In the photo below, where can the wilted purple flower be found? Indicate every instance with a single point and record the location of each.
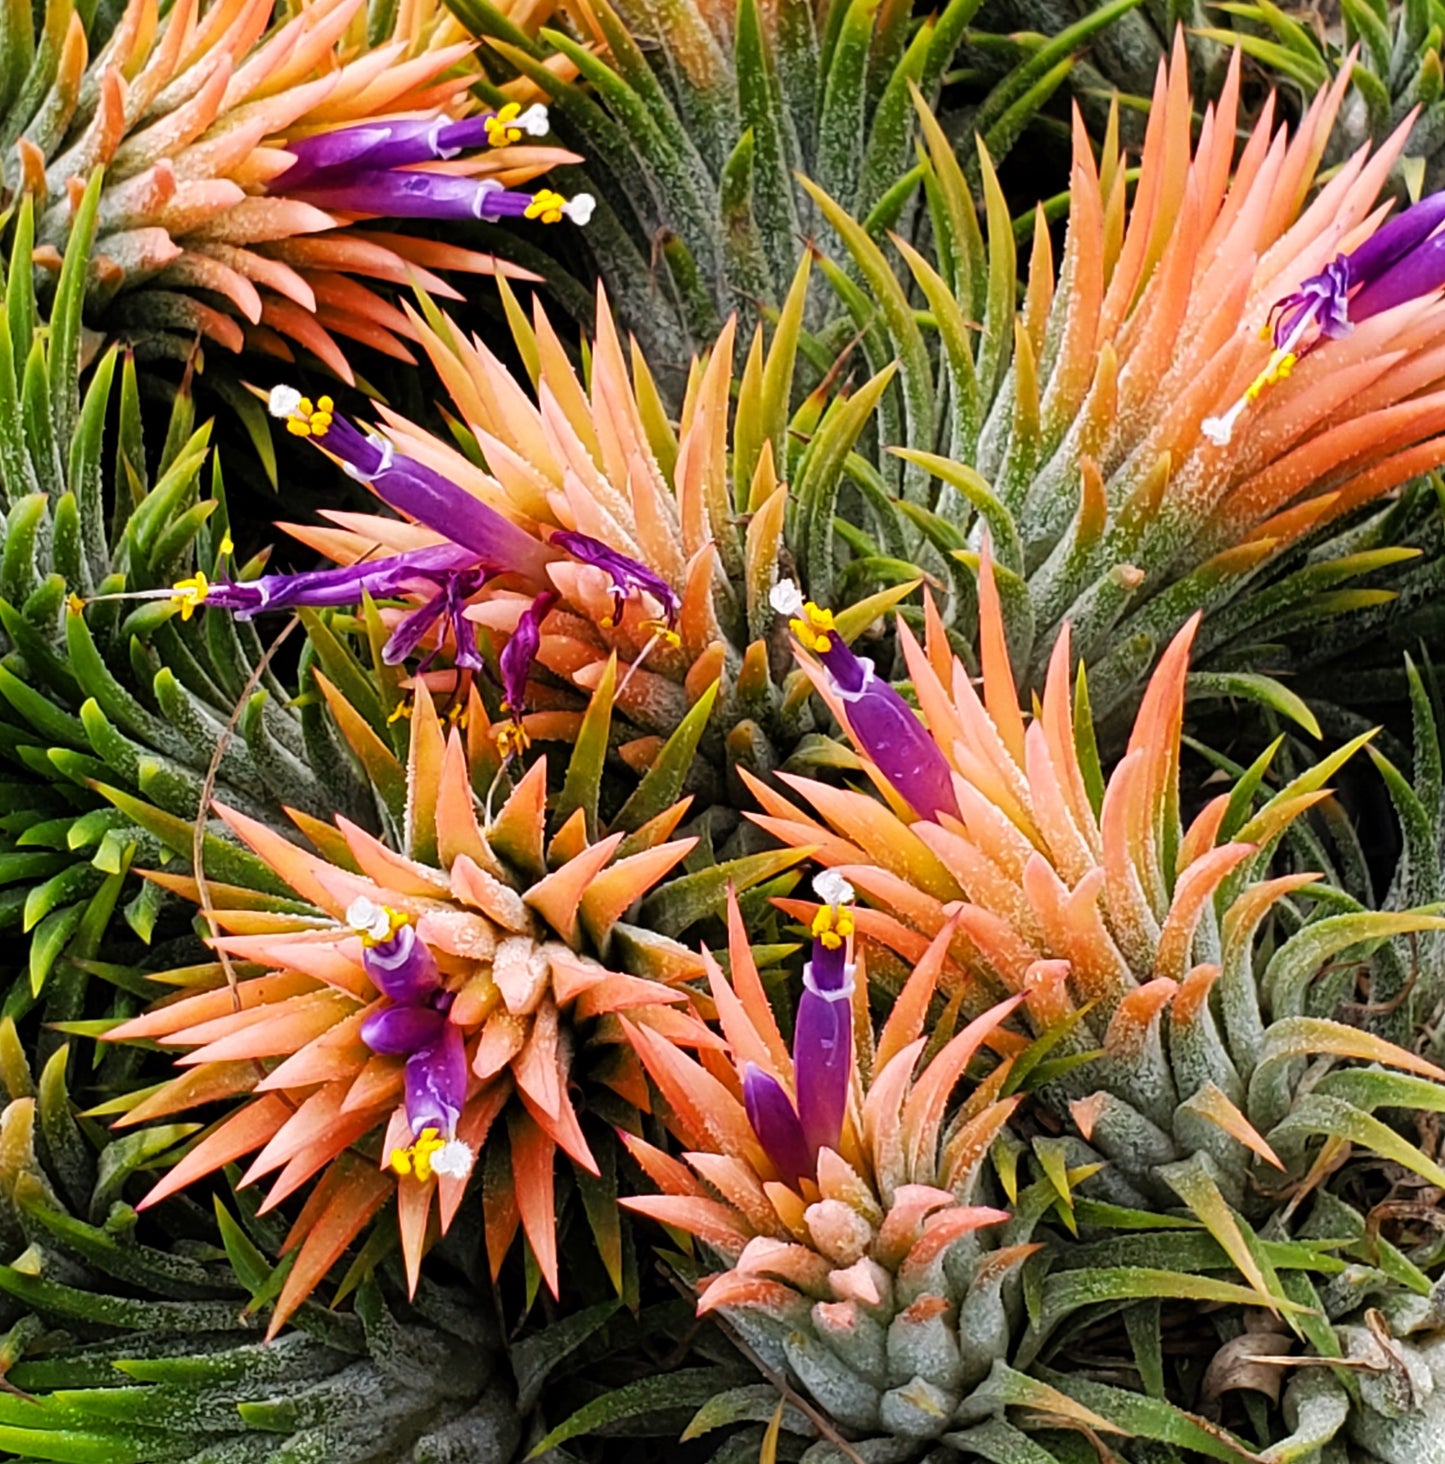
(822, 1049)
(515, 667)
(883, 724)
(1402, 260)
(626, 573)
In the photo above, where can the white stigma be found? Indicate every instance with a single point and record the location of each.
(454, 1160)
(786, 598)
(832, 889)
(534, 121)
(367, 918)
(283, 402)
(579, 209)
(1220, 429)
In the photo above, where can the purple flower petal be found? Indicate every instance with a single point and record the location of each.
(436, 1084)
(771, 1114)
(342, 586)
(823, 1056)
(1418, 273)
(627, 574)
(450, 601)
(888, 730)
(1397, 237)
(515, 662)
(402, 967)
(399, 1031)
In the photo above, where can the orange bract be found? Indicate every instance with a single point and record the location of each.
(509, 929)
(189, 118)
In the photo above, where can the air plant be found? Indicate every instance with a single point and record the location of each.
(1131, 939)
(246, 164)
(1086, 432)
(413, 999)
(847, 1193)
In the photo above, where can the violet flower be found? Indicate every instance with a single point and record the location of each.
(884, 725)
(414, 1025)
(626, 574)
(372, 168)
(1402, 260)
(792, 1135)
(515, 665)
(404, 141)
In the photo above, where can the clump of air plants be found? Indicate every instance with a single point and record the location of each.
(408, 1000)
(840, 1187)
(246, 165)
(1139, 440)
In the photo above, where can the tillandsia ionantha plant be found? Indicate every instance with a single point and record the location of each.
(246, 163)
(697, 122)
(1203, 1073)
(847, 1192)
(1084, 430)
(417, 995)
(132, 1340)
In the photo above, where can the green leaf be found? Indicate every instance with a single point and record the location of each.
(665, 1392)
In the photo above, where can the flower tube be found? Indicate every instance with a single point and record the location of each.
(885, 726)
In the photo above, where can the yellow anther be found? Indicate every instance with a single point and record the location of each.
(311, 421)
(832, 927)
(663, 631)
(75, 604)
(416, 1159)
(228, 545)
(512, 737)
(814, 629)
(607, 622)
(546, 206)
(190, 594)
(499, 130)
(1277, 368)
(458, 714)
(385, 924)
(401, 712)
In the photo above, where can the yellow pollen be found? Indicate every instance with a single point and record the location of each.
(1277, 368)
(607, 622)
(401, 712)
(663, 631)
(228, 545)
(546, 206)
(814, 630)
(832, 927)
(512, 737)
(395, 919)
(499, 132)
(416, 1159)
(75, 604)
(310, 421)
(190, 594)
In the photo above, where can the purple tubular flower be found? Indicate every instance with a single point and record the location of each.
(436, 1083)
(402, 967)
(380, 578)
(627, 574)
(1418, 273)
(413, 489)
(398, 1031)
(518, 655)
(773, 1120)
(418, 195)
(889, 731)
(450, 602)
(823, 1046)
